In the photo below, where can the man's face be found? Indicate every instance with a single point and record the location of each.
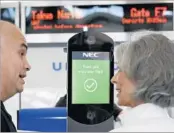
(14, 64)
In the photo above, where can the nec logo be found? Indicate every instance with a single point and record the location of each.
(90, 54)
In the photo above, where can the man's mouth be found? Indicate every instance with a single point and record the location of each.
(22, 76)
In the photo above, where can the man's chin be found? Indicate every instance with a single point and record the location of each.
(20, 89)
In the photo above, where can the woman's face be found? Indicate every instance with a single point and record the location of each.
(125, 88)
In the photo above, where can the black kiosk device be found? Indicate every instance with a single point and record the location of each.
(90, 92)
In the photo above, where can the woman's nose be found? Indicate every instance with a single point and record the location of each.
(114, 79)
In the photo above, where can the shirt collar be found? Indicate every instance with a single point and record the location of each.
(143, 111)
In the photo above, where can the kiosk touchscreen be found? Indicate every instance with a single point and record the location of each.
(90, 92)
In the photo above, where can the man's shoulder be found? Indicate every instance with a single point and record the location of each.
(4, 125)
(7, 124)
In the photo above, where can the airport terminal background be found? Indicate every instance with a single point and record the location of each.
(47, 26)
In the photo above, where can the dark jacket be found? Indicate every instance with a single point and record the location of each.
(101, 114)
(7, 124)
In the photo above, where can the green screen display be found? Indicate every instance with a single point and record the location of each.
(90, 78)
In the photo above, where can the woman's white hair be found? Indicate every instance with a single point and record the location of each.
(148, 59)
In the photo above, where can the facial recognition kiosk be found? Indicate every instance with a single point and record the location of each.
(90, 92)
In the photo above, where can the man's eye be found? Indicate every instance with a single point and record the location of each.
(22, 53)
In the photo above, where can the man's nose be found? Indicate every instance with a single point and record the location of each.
(27, 66)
